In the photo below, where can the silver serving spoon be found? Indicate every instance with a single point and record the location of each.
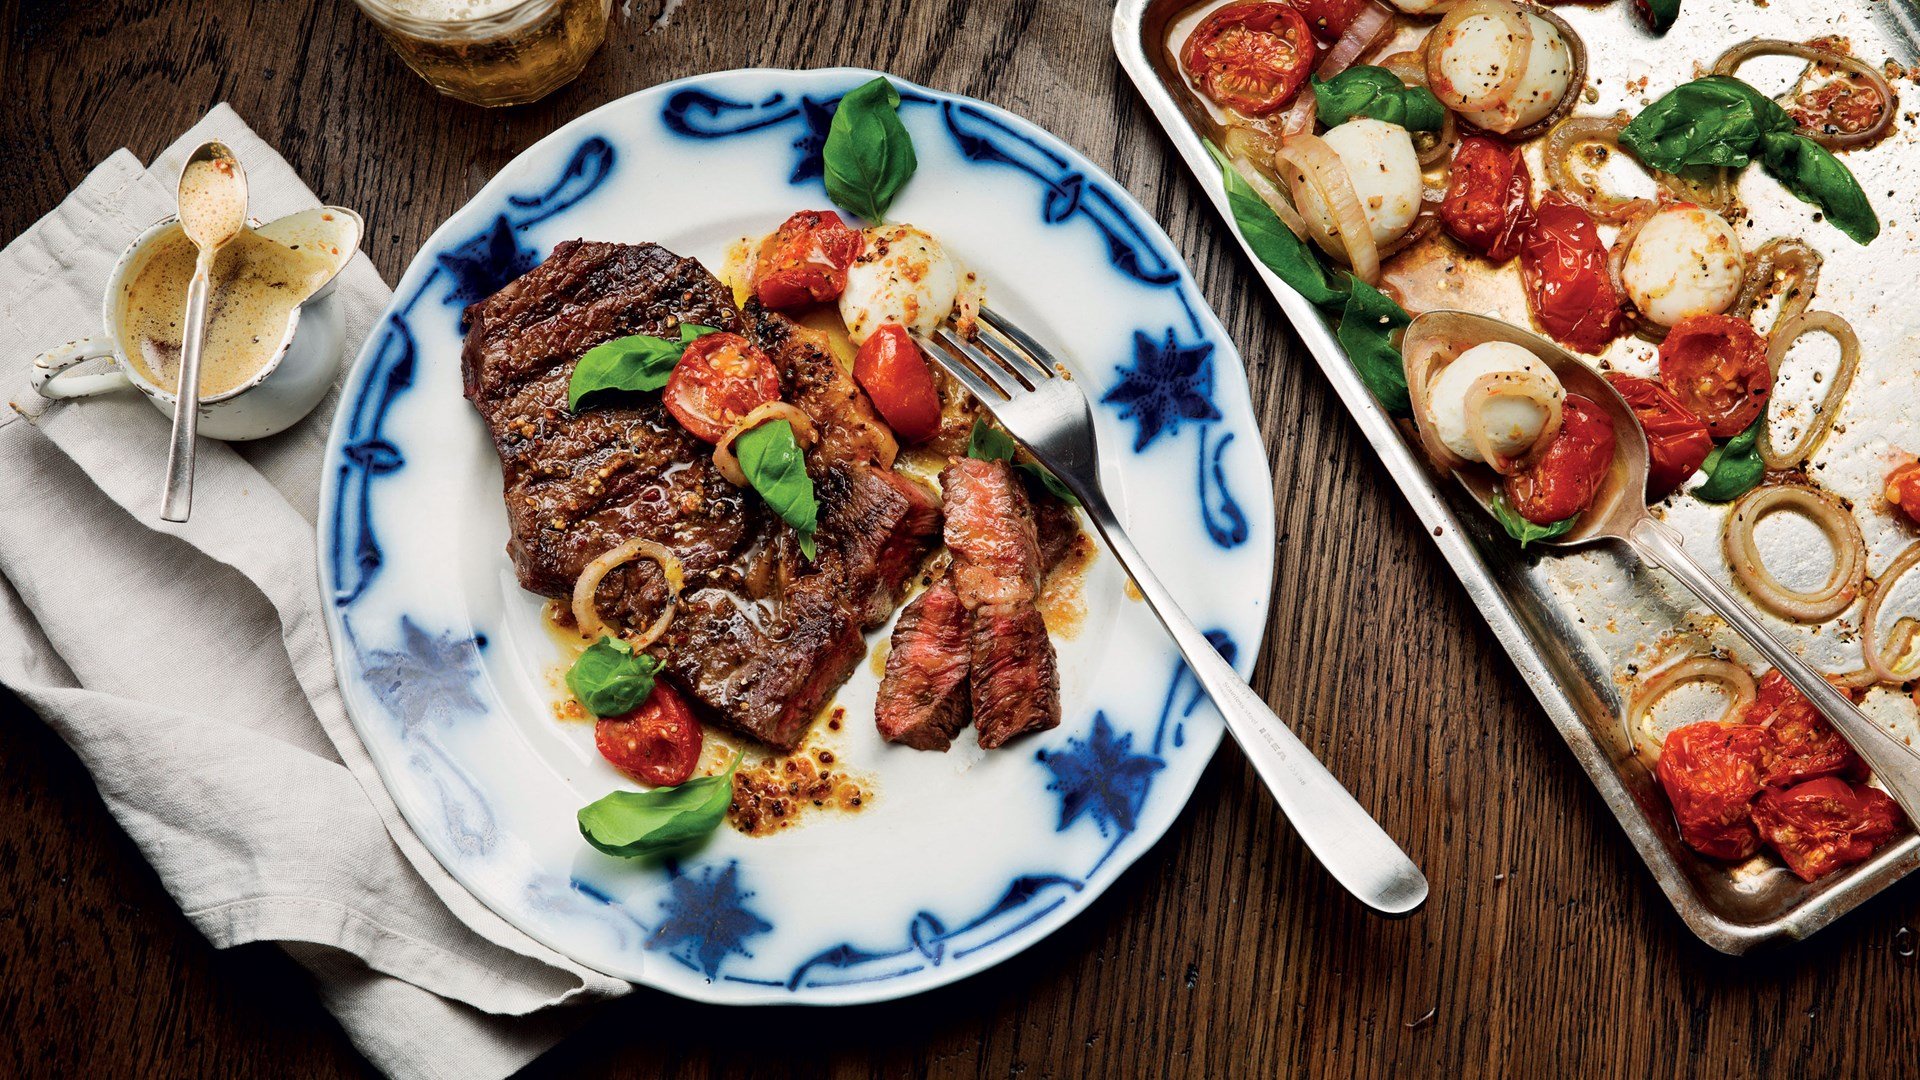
(213, 210)
(1620, 513)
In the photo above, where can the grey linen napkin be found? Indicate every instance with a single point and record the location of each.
(211, 721)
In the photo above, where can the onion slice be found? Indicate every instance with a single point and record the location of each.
(587, 617)
(1734, 679)
(1778, 345)
(1421, 367)
(1315, 167)
(1247, 148)
(1617, 259)
(1370, 25)
(1880, 664)
(1530, 385)
(1781, 257)
(1576, 76)
(729, 465)
(1519, 36)
(1730, 61)
(1430, 147)
(1842, 531)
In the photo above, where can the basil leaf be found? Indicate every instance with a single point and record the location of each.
(991, 444)
(640, 362)
(631, 824)
(1375, 92)
(1657, 14)
(1718, 120)
(610, 678)
(1806, 169)
(1734, 469)
(771, 458)
(868, 156)
(1366, 329)
(691, 330)
(1272, 242)
(1520, 528)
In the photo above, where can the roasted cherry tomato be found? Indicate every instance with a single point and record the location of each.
(1826, 824)
(1711, 773)
(1487, 207)
(1903, 490)
(1564, 265)
(719, 380)
(1253, 57)
(1329, 19)
(805, 260)
(657, 743)
(894, 374)
(1716, 365)
(1568, 474)
(1677, 440)
(1804, 746)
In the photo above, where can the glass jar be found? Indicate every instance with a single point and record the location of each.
(493, 52)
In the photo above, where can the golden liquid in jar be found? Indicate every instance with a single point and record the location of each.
(255, 286)
(493, 52)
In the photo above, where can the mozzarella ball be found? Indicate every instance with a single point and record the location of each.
(1473, 57)
(1685, 261)
(904, 276)
(1417, 7)
(1512, 422)
(1385, 172)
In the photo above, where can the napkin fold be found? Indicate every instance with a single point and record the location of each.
(188, 665)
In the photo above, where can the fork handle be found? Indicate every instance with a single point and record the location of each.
(1336, 828)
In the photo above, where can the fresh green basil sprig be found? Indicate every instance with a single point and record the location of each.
(1368, 318)
(1733, 469)
(632, 824)
(610, 678)
(634, 363)
(1367, 90)
(1719, 121)
(1520, 528)
(770, 457)
(868, 156)
(991, 444)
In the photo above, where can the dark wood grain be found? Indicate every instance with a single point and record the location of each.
(1546, 949)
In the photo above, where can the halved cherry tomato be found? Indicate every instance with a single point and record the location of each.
(1711, 773)
(1717, 366)
(1564, 265)
(1677, 440)
(1568, 475)
(719, 380)
(1253, 57)
(895, 375)
(805, 260)
(656, 743)
(1329, 18)
(1487, 204)
(1826, 824)
(1903, 490)
(1803, 745)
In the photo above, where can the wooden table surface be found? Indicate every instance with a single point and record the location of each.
(1226, 951)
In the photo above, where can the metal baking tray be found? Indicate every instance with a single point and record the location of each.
(1579, 626)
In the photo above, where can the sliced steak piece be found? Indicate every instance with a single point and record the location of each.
(923, 697)
(758, 645)
(1056, 527)
(990, 531)
(1016, 679)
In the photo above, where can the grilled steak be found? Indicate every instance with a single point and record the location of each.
(923, 697)
(1016, 680)
(761, 638)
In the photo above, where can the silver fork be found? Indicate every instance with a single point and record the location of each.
(1021, 384)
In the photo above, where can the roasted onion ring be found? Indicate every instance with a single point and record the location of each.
(1842, 531)
(587, 618)
(1779, 343)
(1527, 384)
(1736, 680)
(1421, 368)
(1576, 76)
(1879, 663)
(1565, 139)
(1617, 259)
(1519, 35)
(1315, 166)
(729, 465)
(1730, 61)
(1778, 257)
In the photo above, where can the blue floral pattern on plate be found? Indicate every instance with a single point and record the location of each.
(419, 679)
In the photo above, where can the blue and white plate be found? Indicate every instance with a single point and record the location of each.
(960, 859)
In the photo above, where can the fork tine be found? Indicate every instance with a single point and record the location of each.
(976, 384)
(989, 365)
(1023, 365)
(1006, 328)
